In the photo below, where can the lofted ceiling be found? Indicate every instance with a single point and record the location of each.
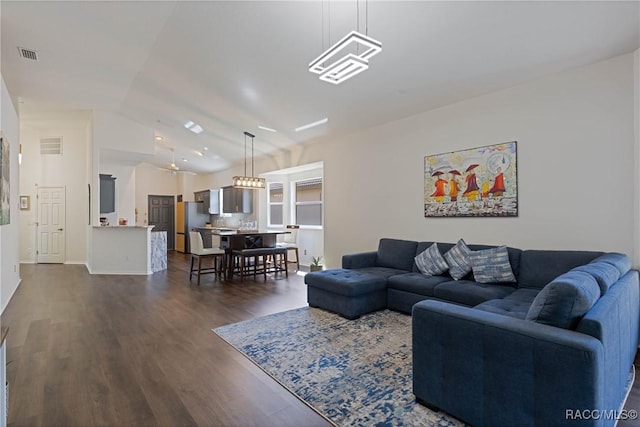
(231, 66)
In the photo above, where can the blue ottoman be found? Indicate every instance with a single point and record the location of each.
(349, 293)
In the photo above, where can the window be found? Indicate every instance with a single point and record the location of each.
(275, 199)
(308, 207)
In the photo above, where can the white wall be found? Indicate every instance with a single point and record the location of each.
(575, 133)
(119, 145)
(9, 252)
(152, 181)
(52, 171)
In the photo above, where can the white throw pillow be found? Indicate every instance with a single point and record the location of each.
(430, 262)
(459, 260)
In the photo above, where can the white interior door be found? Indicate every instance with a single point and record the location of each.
(51, 218)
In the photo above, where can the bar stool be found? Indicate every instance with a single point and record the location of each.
(258, 256)
(199, 251)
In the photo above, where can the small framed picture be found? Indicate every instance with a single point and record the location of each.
(25, 203)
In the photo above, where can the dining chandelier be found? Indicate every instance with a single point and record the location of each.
(245, 181)
(349, 64)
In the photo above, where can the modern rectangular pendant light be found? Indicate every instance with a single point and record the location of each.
(348, 65)
(343, 62)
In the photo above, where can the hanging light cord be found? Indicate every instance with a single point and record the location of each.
(247, 134)
(358, 13)
(245, 154)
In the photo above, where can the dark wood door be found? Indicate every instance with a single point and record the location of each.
(161, 214)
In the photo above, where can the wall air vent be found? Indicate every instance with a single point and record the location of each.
(28, 53)
(51, 145)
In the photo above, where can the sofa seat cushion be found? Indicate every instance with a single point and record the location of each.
(416, 283)
(564, 301)
(514, 305)
(381, 271)
(470, 293)
(346, 282)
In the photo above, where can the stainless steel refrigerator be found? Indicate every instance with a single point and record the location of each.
(189, 215)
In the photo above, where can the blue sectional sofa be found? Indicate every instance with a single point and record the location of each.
(553, 347)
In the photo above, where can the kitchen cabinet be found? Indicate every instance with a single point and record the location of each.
(107, 193)
(210, 200)
(237, 200)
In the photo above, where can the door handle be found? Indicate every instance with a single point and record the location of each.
(60, 229)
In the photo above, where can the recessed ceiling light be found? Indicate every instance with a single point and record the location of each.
(199, 153)
(206, 148)
(310, 125)
(267, 129)
(158, 138)
(193, 127)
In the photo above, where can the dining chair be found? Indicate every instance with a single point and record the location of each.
(199, 251)
(290, 243)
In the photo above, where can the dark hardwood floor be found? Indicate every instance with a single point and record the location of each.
(89, 350)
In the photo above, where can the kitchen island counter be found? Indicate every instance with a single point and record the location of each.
(125, 249)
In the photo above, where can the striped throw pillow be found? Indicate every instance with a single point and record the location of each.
(459, 260)
(430, 262)
(492, 265)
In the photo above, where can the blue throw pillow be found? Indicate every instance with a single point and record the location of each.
(564, 301)
(430, 262)
(492, 265)
(459, 260)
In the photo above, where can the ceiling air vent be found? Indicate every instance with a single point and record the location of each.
(28, 53)
(51, 145)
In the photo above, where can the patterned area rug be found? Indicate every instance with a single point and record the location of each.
(353, 372)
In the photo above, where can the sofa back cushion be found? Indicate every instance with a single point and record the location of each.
(395, 253)
(539, 267)
(604, 273)
(618, 260)
(564, 301)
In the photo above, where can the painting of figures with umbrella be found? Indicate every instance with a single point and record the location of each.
(476, 182)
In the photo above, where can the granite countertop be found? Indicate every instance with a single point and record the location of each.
(219, 230)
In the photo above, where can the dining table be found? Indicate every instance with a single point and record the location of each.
(244, 239)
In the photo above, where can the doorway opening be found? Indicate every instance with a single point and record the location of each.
(162, 216)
